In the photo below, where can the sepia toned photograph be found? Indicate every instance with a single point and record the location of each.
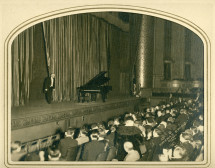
(107, 87)
(110, 86)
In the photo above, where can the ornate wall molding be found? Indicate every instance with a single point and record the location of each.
(63, 115)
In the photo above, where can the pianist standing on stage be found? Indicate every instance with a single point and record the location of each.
(49, 86)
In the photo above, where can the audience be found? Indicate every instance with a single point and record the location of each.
(172, 131)
(132, 155)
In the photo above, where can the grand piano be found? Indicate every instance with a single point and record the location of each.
(96, 85)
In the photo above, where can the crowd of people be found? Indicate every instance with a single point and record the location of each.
(170, 131)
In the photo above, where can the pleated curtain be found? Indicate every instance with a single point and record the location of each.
(76, 50)
(78, 47)
(22, 56)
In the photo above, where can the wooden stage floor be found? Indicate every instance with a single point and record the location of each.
(41, 107)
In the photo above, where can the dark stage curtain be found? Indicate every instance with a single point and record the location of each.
(77, 50)
(22, 60)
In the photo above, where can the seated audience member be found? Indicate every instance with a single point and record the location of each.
(182, 118)
(199, 126)
(116, 121)
(93, 148)
(128, 128)
(201, 117)
(133, 116)
(128, 132)
(148, 133)
(102, 130)
(153, 146)
(171, 127)
(111, 135)
(139, 125)
(164, 157)
(150, 123)
(86, 127)
(179, 154)
(148, 114)
(153, 111)
(189, 148)
(16, 153)
(160, 116)
(132, 155)
(185, 137)
(94, 127)
(189, 131)
(159, 113)
(55, 145)
(171, 119)
(76, 134)
(110, 123)
(167, 114)
(173, 112)
(54, 155)
(144, 123)
(164, 124)
(194, 130)
(67, 143)
(198, 140)
(81, 137)
(126, 114)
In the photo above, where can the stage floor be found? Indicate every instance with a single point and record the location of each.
(41, 107)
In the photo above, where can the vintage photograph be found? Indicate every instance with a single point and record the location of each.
(107, 86)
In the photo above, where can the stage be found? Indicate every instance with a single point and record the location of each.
(43, 118)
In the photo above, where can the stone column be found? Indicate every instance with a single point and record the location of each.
(144, 64)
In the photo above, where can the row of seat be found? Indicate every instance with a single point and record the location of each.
(39, 144)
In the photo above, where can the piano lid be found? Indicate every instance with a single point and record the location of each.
(98, 80)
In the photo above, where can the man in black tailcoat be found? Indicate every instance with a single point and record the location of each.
(49, 86)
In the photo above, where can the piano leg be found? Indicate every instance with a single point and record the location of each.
(103, 96)
(83, 97)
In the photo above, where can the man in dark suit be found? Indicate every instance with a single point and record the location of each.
(68, 143)
(49, 86)
(94, 148)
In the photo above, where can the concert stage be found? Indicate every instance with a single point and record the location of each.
(39, 119)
